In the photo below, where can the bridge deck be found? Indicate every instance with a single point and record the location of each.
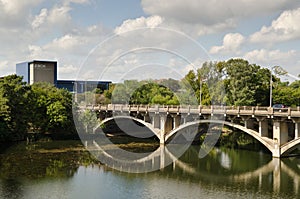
(228, 110)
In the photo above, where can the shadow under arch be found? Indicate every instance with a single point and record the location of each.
(290, 146)
(267, 142)
(155, 131)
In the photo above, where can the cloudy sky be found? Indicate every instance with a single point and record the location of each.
(120, 38)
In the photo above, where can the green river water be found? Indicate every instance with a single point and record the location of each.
(32, 171)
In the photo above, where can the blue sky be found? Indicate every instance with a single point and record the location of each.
(84, 36)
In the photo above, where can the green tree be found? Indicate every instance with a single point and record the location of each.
(172, 84)
(284, 93)
(14, 109)
(51, 109)
(240, 85)
(153, 93)
(213, 90)
(89, 121)
(262, 92)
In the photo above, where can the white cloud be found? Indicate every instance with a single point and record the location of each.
(14, 7)
(67, 69)
(268, 58)
(40, 19)
(264, 55)
(288, 60)
(203, 16)
(67, 42)
(3, 64)
(285, 27)
(211, 12)
(142, 22)
(69, 50)
(59, 15)
(33, 29)
(231, 44)
(77, 1)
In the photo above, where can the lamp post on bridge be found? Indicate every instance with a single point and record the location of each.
(278, 71)
(201, 81)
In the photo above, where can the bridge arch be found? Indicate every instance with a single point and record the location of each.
(267, 142)
(155, 131)
(287, 147)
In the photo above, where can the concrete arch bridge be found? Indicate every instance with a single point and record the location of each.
(167, 121)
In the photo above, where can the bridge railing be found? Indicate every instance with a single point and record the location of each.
(235, 110)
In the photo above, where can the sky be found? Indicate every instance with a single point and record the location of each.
(122, 39)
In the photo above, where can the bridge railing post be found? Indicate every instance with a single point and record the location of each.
(200, 109)
(253, 111)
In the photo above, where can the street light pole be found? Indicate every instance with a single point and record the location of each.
(271, 84)
(200, 92)
(278, 71)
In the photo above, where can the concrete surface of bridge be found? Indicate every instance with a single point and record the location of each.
(166, 121)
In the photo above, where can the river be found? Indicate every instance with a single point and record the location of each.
(31, 171)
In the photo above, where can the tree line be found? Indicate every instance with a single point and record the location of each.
(46, 110)
(235, 82)
(40, 108)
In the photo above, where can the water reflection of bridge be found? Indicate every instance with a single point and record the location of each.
(166, 121)
(123, 160)
(165, 156)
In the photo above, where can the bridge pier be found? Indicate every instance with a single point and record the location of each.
(147, 118)
(176, 120)
(164, 122)
(186, 118)
(248, 122)
(168, 124)
(263, 128)
(276, 152)
(297, 130)
(297, 127)
(155, 120)
(280, 132)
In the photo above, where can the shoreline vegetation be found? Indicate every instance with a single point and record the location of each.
(42, 111)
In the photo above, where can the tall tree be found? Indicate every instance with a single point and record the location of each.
(212, 84)
(14, 111)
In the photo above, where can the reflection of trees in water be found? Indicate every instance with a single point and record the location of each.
(40, 165)
(21, 162)
(12, 188)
